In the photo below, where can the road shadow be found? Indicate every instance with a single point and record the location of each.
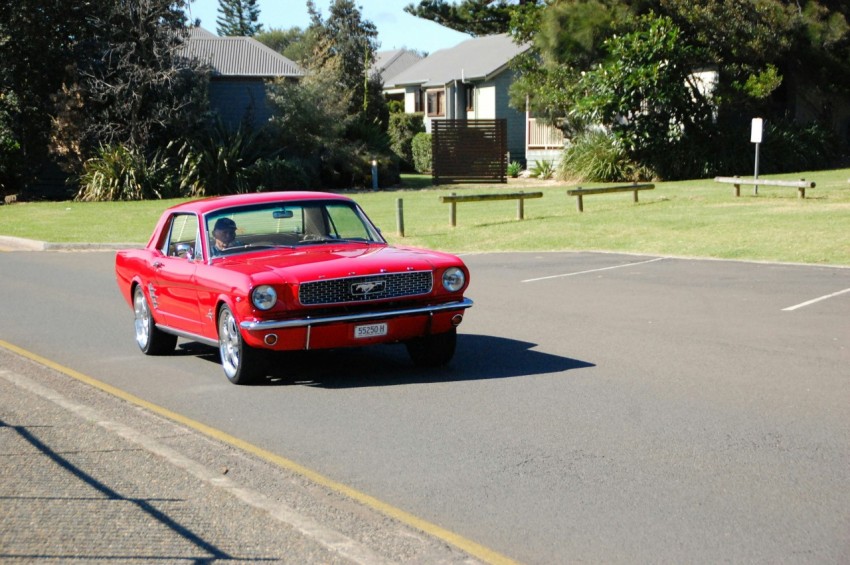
(95, 495)
(478, 357)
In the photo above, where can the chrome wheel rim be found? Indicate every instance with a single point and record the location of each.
(143, 318)
(229, 342)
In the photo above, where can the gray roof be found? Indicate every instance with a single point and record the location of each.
(476, 59)
(390, 63)
(238, 56)
(197, 32)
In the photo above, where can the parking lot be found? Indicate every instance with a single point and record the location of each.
(601, 407)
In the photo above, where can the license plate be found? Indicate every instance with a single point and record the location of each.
(372, 330)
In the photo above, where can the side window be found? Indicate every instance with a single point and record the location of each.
(436, 102)
(182, 236)
(346, 224)
(196, 252)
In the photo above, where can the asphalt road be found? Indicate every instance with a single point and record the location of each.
(600, 408)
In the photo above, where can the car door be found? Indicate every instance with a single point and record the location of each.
(176, 292)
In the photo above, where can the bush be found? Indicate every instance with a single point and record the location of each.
(268, 175)
(402, 129)
(727, 150)
(542, 170)
(789, 147)
(422, 157)
(595, 156)
(120, 173)
(224, 159)
(12, 158)
(514, 169)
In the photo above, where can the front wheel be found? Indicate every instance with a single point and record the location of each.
(151, 340)
(432, 350)
(242, 363)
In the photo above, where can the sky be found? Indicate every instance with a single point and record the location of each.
(396, 28)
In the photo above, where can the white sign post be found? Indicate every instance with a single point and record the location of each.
(755, 137)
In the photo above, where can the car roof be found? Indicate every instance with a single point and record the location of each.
(207, 205)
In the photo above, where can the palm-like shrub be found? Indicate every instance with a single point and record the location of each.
(126, 173)
(595, 156)
(224, 157)
(542, 170)
(121, 173)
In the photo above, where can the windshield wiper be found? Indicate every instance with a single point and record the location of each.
(326, 239)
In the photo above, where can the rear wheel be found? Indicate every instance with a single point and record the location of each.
(432, 350)
(242, 363)
(151, 340)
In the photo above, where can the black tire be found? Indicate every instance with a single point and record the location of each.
(242, 364)
(151, 340)
(433, 350)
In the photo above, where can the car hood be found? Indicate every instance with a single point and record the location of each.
(334, 261)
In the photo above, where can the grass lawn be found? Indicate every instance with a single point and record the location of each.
(698, 218)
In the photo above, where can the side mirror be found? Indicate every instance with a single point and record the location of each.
(184, 250)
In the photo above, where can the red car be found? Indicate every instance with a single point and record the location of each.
(284, 271)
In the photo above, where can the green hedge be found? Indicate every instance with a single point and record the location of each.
(402, 129)
(422, 157)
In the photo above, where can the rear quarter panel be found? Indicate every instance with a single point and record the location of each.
(132, 265)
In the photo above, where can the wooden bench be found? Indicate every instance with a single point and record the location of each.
(801, 185)
(580, 192)
(520, 197)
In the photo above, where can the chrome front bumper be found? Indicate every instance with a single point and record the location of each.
(359, 317)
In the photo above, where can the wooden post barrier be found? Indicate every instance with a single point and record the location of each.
(801, 185)
(580, 192)
(520, 197)
(399, 216)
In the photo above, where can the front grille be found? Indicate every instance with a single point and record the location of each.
(365, 289)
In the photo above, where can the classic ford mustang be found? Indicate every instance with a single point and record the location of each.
(287, 271)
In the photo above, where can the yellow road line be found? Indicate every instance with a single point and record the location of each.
(472, 548)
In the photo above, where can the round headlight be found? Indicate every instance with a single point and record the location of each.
(264, 297)
(453, 279)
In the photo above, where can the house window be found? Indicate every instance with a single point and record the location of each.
(436, 102)
(470, 98)
(417, 101)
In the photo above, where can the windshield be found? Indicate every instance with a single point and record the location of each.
(288, 224)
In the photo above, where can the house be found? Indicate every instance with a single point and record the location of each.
(388, 64)
(471, 81)
(240, 66)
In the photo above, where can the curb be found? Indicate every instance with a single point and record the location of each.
(9, 243)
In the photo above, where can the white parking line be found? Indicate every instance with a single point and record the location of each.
(593, 270)
(812, 301)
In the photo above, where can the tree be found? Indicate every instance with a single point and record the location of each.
(134, 89)
(646, 93)
(345, 47)
(40, 42)
(77, 77)
(334, 120)
(768, 56)
(567, 40)
(11, 170)
(295, 43)
(238, 18)
(475, 17)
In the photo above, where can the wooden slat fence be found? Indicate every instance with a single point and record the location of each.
(469, 151)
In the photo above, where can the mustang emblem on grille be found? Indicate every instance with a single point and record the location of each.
(364, 288)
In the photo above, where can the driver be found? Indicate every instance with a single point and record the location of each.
(224, 235)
